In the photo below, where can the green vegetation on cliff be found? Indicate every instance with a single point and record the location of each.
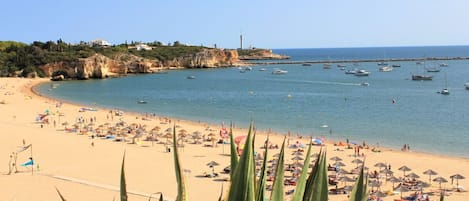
(19, 59)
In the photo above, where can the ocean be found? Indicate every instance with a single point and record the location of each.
(309, 100)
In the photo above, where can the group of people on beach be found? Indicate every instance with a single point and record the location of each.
(405, 147)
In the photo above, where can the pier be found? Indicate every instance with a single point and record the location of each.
(283, 62)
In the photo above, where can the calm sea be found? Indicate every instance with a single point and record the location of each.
(308, 100)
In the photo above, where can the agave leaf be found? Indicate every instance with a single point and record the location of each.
(182, 193)
(161, 197)
(319, 190)
(260, 191)
(60, 194)
(234, 153)
(123, 186)
(301, 184)
(278, 185)
(442, 196)
(360, 191)
(242, 183)
(309, 182)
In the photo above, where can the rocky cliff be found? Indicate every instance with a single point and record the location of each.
(100, 66)
(260, 54)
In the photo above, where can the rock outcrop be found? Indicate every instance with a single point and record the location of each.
(208, 58)
(261, 54)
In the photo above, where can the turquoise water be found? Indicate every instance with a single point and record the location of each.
(307, 97)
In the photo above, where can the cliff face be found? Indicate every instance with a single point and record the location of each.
(208, 58)
(261, 54)
(100, 66)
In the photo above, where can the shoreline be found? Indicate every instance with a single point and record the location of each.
(329, 139)
(149, 168)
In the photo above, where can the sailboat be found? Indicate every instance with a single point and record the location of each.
(445, 91)
(422, 76)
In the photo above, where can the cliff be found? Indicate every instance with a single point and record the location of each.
(260, 54)
(100, 66)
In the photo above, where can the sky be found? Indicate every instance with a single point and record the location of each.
(263, 24)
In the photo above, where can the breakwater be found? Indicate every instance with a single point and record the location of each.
(357, 60)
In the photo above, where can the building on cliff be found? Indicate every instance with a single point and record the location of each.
(100, 43)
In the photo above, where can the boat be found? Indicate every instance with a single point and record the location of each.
(341, 65)
(382, 64)
(386, 69)
(445, 90)
(351, 71)
(419, 62)
(142, 102)
(262, 69)
(396, 65)
(466, 85)
(248, 68)
(362, 73)
(342, 68)
(422, 77)
(433, 70)
(279, 72)
(191, 77)
(444, 65)
(326, 66)
(306, 64)
(365, 84)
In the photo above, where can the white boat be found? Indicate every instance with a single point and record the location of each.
(466, 85)
(386, 69)
(262, 69)
(382, 64)
(326, 66)
(341, 65)
(365, 84)
(362, 73)
(248, 68)
(433, 70)
(351, 71)
(445, 91)
(191, 77)
(279, 72)
(142, 102)
(444, 65)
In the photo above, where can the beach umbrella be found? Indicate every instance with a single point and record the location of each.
(169, 130)
(297, 164)
(259, 157)
(335, 158)
(430, 172)
(380, 194)
(380, 165)
(412, 176)
(394, 179)
(212, 165)
(276, 155)
(404, 169)
(238, 139)
(440, 180)
(357, 161)
(343, 171)
(340, 164)
(346, 179)
(297, 153)
(168, 136)
(457, 177)
(296, 158)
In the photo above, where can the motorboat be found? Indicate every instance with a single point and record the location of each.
(351, 71)
(326, 66)
(444, 65)
(341, 65)
(466, 85)
(362, 73)
(396, 65)
(365, 84)
(382, 64)
(386, 69)
(433, 70)
(306, 64)
(342, 68)
(444, 92)
(191, 77)
(262, 69)
(142, 102)
(422, 77)
(279, 72)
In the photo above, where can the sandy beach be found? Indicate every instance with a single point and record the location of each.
(83, 167)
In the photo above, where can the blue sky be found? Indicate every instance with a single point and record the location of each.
(265, 24)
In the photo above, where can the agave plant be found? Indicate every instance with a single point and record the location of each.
(182, 193)
(123, 186)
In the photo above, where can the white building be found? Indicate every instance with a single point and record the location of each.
(100, 42)
(142, 47)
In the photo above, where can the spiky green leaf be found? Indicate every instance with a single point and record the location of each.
(221, 194)
(260, 191)
(182, 193)
(233, 152)
(442, 196)
(123, 186)
(318, 180)
(360, 190)
(242, 183)
(278, 185)
(60, 194)
(309, 182)
(301, 184)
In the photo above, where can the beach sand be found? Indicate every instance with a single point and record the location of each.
(83, 168)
